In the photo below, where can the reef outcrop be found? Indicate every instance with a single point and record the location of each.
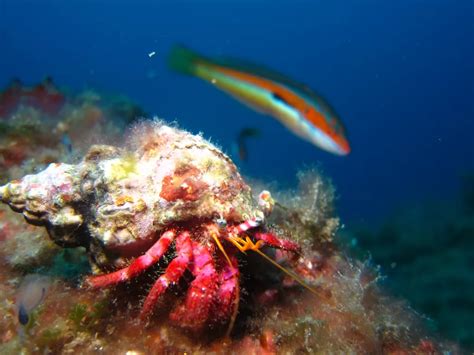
(168, 190)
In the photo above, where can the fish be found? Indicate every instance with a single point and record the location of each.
(30, 295)
(303, 111)
(244, 134)
(67, 143)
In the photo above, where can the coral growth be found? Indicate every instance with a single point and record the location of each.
(312, 219)
(348, 313)
(167, 189)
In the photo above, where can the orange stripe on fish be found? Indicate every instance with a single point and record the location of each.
(301, 110)
(280, 93)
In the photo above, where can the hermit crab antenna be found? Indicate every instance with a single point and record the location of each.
(288, 272)
(247, 244)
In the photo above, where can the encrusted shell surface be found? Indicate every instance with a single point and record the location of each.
(118, 200)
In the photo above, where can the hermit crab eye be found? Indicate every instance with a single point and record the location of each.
(259, 220)
(221, 222)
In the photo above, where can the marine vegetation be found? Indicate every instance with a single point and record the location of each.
(184, 255)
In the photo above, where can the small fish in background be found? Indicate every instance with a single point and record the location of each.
(301, 110)
(244, 135)
(30, 295)
(67, 143)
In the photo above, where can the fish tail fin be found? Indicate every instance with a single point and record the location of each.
(184, 60)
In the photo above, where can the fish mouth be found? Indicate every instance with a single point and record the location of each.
(335, 145)
(341, 151)
(339, 145)
(344, 148)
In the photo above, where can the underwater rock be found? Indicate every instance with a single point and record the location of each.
(42, 124)
(116, 202)
(15, 235)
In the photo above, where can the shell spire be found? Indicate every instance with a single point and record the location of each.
(46, 199)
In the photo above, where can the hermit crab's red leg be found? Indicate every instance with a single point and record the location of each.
(140, 264)
(228, 292)
(272, 240)
(173, 273)
(194, 312)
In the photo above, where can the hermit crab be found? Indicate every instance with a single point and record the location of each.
(129, 206)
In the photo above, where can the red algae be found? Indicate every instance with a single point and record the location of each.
(183, 185)
(43, 96)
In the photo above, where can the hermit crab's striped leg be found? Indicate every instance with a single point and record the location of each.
(194, 312)
(267, 237)
(173, 273)
(272, 240)
(228, 294)
(247, 225)
(152, 256)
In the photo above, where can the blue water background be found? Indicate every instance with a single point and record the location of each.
(400, 73)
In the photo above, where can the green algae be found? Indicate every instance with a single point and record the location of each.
(50, 339)
(85, 317)
(23, 129)
(78, 315)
